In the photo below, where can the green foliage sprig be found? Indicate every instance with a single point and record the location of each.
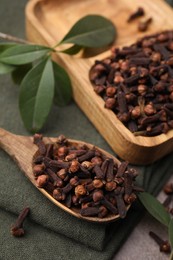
(42, 81)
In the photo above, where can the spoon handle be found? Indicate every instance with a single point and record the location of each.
(20, 148)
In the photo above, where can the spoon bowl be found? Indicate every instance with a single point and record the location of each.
(22, 150)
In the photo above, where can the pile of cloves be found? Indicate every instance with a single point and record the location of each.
(136, 83)
(84, 178)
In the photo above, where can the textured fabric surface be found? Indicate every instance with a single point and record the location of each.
(49, 226)
(40, 243)
(50, 232)
(17, 192)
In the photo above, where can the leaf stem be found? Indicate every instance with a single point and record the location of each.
(9, 37)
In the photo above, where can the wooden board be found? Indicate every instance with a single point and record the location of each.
(47, 21)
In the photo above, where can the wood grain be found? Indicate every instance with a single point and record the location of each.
(48, 21)
(22, 150)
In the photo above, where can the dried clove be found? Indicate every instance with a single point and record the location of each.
(90, 211)
(88, 155)
(42, 180)
(68, 200)
(54, 178)
(128, 180)
(17, 229)
(39, 142)
(120, 203)
(110, 171)
(163, 244)
(138, 13)
(143, 25)
(109, 206)
(168, 188)
(98, 171)
(121, 169)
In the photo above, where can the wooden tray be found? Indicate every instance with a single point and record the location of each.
(47, 21)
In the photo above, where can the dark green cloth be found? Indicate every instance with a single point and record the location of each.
(49, 227)
(50, 232)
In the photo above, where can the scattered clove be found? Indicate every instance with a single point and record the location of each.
(17, 229)
(143, 25)
(168, 188)
(138, 13)
(163, 244)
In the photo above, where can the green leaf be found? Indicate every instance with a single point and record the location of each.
(5, 68)
(63, 90)
(155, 208)
(170, 230)
(4, 46)
(19, 73)
(23, 54)
(72, 50)
(36, 95)
(91, 31)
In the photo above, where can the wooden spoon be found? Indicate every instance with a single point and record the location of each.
(22, 150)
